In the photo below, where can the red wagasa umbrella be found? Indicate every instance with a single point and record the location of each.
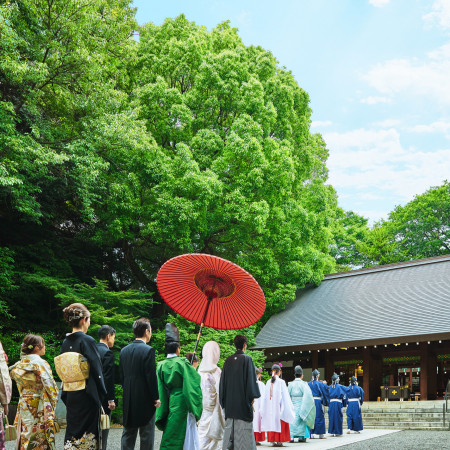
(211, 292)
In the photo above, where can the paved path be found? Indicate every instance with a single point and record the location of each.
(367, 440)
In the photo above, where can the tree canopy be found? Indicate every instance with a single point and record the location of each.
(117, 154)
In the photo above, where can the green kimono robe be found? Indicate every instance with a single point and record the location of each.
(180, 393)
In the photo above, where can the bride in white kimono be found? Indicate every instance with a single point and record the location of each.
(212, 421)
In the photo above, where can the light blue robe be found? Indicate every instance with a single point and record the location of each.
(304, 408)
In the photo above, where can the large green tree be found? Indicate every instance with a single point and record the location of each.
(232, 168)
(116, 155)
(421, 228)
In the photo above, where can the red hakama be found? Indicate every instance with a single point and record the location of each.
(284, 436)
(260, 437)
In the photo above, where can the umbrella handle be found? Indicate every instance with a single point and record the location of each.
(201, 328)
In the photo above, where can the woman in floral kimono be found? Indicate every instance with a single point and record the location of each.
(212, 422)
(5, 393)
(35, 419)
(84, 401)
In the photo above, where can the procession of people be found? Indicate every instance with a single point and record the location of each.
(197, 407)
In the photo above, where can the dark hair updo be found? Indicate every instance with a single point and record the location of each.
(30, 341)
(74, 313)
(189, 357)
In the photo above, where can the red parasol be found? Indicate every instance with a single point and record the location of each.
(211, 292)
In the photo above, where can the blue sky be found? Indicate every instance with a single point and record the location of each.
(378, 76)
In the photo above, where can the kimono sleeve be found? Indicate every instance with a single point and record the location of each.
(163, 411)
(222, 386)
(108, 374)
(49, 383)
(150, 374)
(252, 385)
(5, 380)
(95, 363)
(287, 408)
(325, 391)
(308, 408)
(361, 395)
(209, 391)
(192, 390)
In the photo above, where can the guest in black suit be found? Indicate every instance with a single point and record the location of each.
(107, 335)
(140, 388)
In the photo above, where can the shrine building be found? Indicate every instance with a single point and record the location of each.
(388, 325)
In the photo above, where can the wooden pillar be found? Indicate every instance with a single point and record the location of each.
(432, 374)
(366, 372)
(315, 359)
(329, 366)
(423, 371)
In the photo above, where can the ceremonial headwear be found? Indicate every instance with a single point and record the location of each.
(315, 373)
(276, 367)
(354, 380)
(211, 356)
(335, 378)
(298, 370)
(172, 334)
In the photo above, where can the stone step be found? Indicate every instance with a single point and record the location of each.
(383, 427)
(428, 417)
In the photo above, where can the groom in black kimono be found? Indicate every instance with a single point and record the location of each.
(237, 390)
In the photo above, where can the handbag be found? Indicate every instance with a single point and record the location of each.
(10, 431)
(105, 422)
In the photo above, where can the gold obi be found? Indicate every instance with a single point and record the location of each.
(73, 369)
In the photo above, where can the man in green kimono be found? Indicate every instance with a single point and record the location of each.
(180, 394)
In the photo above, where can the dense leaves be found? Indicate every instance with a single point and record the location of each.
(117, 154)
(419, 229)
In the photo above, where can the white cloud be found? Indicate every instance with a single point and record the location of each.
(368, 161)
(379, 3)
(321, 123)
(440, 14)
(429, 78)
(375, 100)
(440, 126)
(387, 123)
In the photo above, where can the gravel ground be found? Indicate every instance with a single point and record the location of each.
(405, 440)
(113, 440)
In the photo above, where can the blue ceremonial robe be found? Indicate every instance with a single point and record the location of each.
(355, 398)
(320, 393)
(335, 417)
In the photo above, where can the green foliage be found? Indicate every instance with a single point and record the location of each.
(349, 231)
(421, 228)
(188, 337)
(117, 309)
(116, 155)
(12, 342)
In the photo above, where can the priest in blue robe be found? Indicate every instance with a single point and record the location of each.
(355, 399)
(320, 393)
(337, 394)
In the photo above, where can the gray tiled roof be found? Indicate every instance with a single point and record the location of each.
(406, 300)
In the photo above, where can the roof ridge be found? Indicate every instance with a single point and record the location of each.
(387, 267)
